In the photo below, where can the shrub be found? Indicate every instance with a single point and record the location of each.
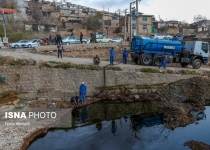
(150, 70)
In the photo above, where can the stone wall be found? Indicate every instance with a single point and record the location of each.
(34, 79)
(83, 46)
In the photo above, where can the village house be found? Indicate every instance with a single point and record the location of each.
(166, 27)
(144, 24)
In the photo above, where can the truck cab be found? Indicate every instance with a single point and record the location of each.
(198, 50)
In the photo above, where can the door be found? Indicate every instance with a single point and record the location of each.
(204, 49)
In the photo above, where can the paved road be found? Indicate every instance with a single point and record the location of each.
(25, 53)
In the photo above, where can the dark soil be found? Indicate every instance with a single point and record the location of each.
(195, 145)
(9, 96)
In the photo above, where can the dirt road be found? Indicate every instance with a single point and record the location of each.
(25, 54)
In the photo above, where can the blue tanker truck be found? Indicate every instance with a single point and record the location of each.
(146, 51)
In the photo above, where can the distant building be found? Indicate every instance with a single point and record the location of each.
(144, 24)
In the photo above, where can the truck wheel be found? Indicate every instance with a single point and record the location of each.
(196, 64)
(184, 65)
(157, 60)
(146, 59)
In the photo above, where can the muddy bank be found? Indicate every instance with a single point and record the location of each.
(195, 145)
(30, 138)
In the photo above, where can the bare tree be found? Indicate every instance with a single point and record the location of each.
(37, 12)
(200, 19)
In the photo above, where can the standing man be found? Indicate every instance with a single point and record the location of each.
(163, 61)
(125, 53)
(81, 37)
(112, 55)
(60, 49)
(58, 39)
(83, 91)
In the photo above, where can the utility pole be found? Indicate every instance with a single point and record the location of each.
(137, 20)
(130, 21)
(5, 34)
(136, 15)
(125, 25)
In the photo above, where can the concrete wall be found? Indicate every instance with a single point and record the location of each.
(34, 79)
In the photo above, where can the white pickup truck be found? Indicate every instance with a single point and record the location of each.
(158, 36)
(103, 39)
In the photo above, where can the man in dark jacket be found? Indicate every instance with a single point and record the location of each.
(81, 37)
(58, 39)
(96, 60)
(60, 49)
(74, 100)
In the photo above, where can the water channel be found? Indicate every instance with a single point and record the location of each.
(107, 126)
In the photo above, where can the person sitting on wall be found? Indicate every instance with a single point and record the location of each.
(96, 60)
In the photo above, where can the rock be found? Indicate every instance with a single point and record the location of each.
(196, 123)
(136, 97)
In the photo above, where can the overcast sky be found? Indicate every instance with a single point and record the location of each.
(167, 9)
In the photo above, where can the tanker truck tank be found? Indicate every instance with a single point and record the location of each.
(154, 46)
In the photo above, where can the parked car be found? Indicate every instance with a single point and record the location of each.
(1, 44)
(74, 40)
(86, 41)
(117, 40)
(104, 39)
(158, 36)
(169, 37)
(18, 44)
(31, 43)
(144, 37)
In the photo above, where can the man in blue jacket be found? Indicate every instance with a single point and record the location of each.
(112, 55)
(163, 61)
(83, 91)
(125, 54)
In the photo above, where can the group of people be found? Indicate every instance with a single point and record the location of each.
(112, 56)
(58, 42)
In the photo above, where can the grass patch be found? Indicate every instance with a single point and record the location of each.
(52, 64)
(188, 72)
(105, 59)
(149, 86)
(170, 71)
(114, 68)
(8, 60)
(128, 87)
(150, 70)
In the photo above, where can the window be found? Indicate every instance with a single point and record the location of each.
(144, 27)
(205, 47)
(133, 26)
(133, 18)
(144, 18)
